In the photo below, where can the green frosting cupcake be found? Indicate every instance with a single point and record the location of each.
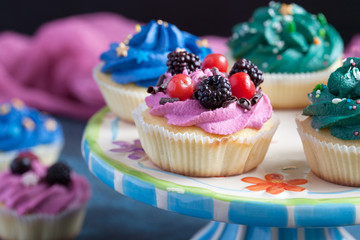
(285, 38)
(337, 105)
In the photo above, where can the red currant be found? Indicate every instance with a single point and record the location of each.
(216, 60)
(242, 86)
(180, 86)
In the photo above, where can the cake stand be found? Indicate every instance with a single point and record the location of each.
(292, 204)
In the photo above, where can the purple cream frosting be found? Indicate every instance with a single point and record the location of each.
(41, 198)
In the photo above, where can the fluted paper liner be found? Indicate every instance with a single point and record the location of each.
(289, 90)
(333, 162)
(121, 99)
(65, 225)
(192, 154)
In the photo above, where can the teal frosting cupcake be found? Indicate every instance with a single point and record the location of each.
(141, 58)
(285, 38)
(337, 105)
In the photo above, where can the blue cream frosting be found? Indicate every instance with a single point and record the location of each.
(142, 58)
(22, 127)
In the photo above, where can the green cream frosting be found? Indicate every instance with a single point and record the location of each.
(285, 38)
(337, 105)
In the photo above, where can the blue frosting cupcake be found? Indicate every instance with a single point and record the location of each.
(136, 63)
(26, 129)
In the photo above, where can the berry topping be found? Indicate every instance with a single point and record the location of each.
(213, 92)
(180, 86)
(179, 61)
(216, 60)
(246, 66)
(21, 164)
(59, 173)
(242, 86)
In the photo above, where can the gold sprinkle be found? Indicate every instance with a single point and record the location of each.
(4, 109)
(137, 27)
(122, 50)
(317, 40)
(50, 125)
(160, 22)
(28, 123)
(202, 43)
(127, 39)
(17, 103)
(286, 9)
(166, 24)
(180, 49)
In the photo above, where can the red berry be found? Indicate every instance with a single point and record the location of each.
(216, 60)
(242, 86)
(180, 86)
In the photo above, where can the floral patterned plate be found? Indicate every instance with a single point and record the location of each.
(282, 192)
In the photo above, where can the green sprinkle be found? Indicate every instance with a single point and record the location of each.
(317, 87)
(291, 27)
(317, 95)
(322, 32)
(322, 19)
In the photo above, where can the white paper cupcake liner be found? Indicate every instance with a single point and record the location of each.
(333, 162)
(47, 154)
(65, 225)
(193, 154)
(120, 99)
(289, 90)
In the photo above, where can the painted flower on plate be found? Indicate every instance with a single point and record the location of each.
(135, 149)
(274, 183)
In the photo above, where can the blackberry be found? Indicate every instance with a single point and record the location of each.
(20, 165)
(246, 66)
(178, 61)
(213, 92)
(59, 173)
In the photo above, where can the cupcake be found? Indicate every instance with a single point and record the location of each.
(295, 49)
(37, 202)
(205, 123)
(129, 67)
(26, 129)
(329, 127)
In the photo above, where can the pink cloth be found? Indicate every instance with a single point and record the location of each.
(353, 48)
(52, 71)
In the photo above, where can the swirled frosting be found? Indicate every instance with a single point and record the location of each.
(23, 127)
(286, 39)
(222, 121)
(142, 59)
(41, 198)
(337, 105)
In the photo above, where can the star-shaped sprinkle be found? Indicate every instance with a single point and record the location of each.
(137, 27)
(286, 9)
(202, 43)
(4, 109)
(142, 56)
(50, 125)
(17, 103)
(160, 22)
(122, 50)
(127, 39)
(28, 123)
